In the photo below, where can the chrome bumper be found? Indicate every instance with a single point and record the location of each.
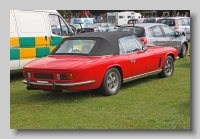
(54, 84)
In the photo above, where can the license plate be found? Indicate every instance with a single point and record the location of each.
(42, 82)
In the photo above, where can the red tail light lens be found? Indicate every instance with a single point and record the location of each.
(143, 40)
(176, 25)
(27, 74)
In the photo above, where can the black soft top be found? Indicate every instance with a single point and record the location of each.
(106, 42)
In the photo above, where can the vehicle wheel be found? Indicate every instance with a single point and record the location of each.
(111, 82)
(183, 51)
(168, 68)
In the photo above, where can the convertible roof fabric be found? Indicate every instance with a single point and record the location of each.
(106, 42)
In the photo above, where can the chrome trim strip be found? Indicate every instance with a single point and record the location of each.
(60, 84)
(141, 76)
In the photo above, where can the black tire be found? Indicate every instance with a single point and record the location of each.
(111, 82)
(168, 68)
(183, 51)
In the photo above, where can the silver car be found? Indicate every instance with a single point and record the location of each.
(151, 19)
(155, 34)
(178, 23)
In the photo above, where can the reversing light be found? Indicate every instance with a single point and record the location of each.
(64, 76)
(176, 25)
(27, 74)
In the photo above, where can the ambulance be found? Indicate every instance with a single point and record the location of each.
(34, 34)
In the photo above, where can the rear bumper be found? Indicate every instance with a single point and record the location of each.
(54, 84)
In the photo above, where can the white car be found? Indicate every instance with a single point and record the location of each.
(178, 23)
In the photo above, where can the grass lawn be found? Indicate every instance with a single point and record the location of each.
(147, 103)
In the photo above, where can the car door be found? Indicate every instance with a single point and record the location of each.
(170, 35)
(156, 37)
(186, 26)
(33, 35)
(141, 61)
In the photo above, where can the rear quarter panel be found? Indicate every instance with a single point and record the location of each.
(163, 52)
(95, 69)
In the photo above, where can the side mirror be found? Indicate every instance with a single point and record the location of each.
(144, 48)
(177, 34)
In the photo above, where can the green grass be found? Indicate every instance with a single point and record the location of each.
(147, 103)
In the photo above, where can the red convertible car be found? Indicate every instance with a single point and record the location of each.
(98, 60)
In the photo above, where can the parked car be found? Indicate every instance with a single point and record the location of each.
(101, 61)
(156, 34)
(178, 23)
(151, 19)
(107, 26)
(93, 28)
(132, 21)
(74, 28)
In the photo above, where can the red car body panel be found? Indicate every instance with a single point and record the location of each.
(87, 68)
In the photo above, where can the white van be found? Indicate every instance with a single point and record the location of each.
(121, 18)
(34, 34)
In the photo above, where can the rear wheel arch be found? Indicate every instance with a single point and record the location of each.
(106, 84)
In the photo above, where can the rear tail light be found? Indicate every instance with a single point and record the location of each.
(143, 40)
(92, 30)
(27, 74)
(176, 25)
(64, 76)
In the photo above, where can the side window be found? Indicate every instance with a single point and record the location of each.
(180, 23)
(185, 22)
(129, 44)
(58, 26)
(64, 28)
(121, 49)
(168, 31)
(156, 31)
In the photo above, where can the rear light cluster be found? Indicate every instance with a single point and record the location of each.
(143, 40)
(64, 76)
(176, 25)
(27, 74)
(59, 76)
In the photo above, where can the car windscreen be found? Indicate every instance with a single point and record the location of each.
(137, 31)
(169, 22)
(149, 20)
(74, 47)
(132, 21)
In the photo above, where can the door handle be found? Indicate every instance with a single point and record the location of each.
(185, 28)
(133, 61)
(45, 38)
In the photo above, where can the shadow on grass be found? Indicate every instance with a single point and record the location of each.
(16, 75)
(140, 81)
(57, 97)
(68, 97)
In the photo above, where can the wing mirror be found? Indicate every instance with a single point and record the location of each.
(144, 48)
